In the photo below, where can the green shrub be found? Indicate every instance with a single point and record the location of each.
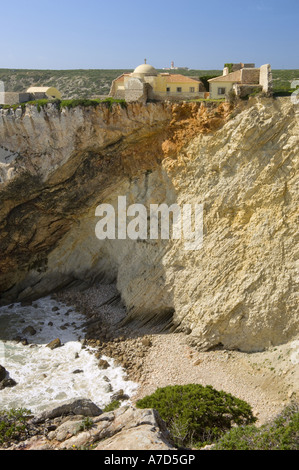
(197, 415)
(39, 104)
(85, 425)
(70, 104)
(111, 101)
(229, 66)
(281, 434)
(114, 405)
(13, 425)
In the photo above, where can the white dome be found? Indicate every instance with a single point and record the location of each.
(146, 69)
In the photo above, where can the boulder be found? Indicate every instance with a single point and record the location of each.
(143, 437)
(127, 428)
(80, 407)
(104, 364)
(29, 331)
(7, 383)
(3, 373)
(119, 396)
(146, 342)
(56, 343)
(134, 429)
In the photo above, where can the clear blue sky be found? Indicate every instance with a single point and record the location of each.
(95, 34)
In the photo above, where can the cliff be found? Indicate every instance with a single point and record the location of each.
(57, 166)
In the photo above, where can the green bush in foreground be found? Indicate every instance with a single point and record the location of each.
(197, 415)
(13, 425)
(281, 434)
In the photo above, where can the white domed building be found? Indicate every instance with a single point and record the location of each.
(145, 70)
(145, 83)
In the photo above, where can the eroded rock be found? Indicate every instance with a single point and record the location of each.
(82, 407)
(238, 290)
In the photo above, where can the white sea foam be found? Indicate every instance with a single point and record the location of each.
(46, 377)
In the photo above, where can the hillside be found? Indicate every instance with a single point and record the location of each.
(95, 83)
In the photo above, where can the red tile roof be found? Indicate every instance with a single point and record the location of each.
(178, 78)
(231, 77)
(170, 78)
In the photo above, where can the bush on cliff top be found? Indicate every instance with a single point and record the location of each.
(70, 104)
(197, 415)
(94, 103)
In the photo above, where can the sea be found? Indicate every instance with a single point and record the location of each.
(47, 378)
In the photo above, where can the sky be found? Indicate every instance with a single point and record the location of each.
(120, 34)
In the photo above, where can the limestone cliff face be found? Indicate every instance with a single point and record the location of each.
(239, 290)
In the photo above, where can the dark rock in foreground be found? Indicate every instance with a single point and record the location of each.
(82, 407)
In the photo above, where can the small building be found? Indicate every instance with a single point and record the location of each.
(145, 83)
(11, 98)
(39, 93)
(243, 79)
(32, 94)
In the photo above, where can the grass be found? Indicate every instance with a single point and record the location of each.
(69, 104)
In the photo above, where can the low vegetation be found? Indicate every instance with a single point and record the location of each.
(13, 425)
(114, 405)
(76, 84)
(197, 415)
(85, 425)
(283, 81)
(69, 104)
(86, 103)
(280, 434)
(73, 84)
